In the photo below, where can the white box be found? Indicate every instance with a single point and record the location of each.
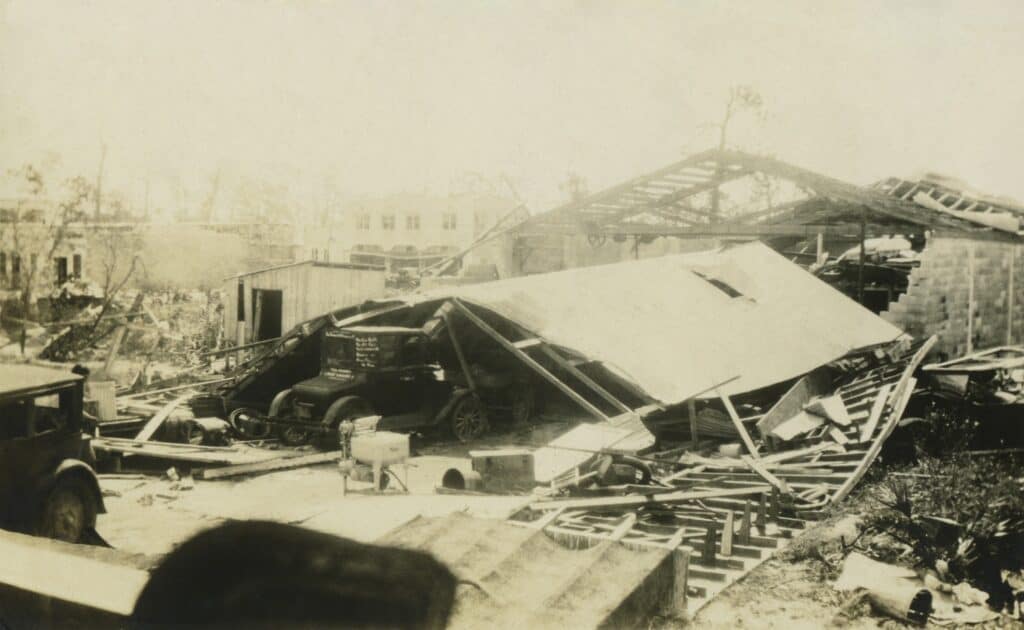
(382, 448)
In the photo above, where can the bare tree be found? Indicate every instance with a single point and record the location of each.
(37, 228)
(118, 261)
(742, 98)
(574, 187)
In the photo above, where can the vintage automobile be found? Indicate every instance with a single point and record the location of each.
(396, 373)
(47, 483)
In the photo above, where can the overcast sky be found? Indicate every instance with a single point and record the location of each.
(388, 96)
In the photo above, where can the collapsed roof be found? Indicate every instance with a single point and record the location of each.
(678, 325)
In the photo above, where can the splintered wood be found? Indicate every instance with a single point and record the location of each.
(730, 513)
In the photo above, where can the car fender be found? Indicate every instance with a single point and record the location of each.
(275, 405)
(78, 468)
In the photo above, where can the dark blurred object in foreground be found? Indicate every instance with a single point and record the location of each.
(269, 575)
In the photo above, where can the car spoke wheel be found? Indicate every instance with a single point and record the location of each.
(469, 420)
(290, 434)
(247, 423)
(68, 512)
(294, 436)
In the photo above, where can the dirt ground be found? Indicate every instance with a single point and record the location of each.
(152, 516)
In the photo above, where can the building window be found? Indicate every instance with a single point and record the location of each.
(448, 221)
(387, 221)
(363, 221)
(412, 222)
(76, 266)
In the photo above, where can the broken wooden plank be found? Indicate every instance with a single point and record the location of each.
(629, 501)
(756, 466)
(785, 456)
(838, 436)
(528, 360)
(158, 419)
(742, 430)
(903, 390)
(47, 568)
(831, 408)
(802, 422)
(256, 468)
(876, 413)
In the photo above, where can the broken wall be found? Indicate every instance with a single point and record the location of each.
(968, 290)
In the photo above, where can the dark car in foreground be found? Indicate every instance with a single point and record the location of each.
(47, 483)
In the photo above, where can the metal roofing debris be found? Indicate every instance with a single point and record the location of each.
(675, 334)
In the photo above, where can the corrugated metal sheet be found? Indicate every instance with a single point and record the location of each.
(677, 325)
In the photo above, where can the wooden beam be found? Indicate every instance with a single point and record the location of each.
(904, 388)
(638, 500)
(42, 567)
(727, 533)
(765, 474)
(458, 350)
(877, 407)
(528, 360)
(586, 380)
(691, 410)
(256, 468)
(158, 419)
(736, 422)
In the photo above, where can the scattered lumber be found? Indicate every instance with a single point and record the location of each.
(196, 454)
(258, 468)
(876, 413)
(758, 468)
(158, 419)
(154, 392)
(629, 501)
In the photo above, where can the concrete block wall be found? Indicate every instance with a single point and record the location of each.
(968, 290)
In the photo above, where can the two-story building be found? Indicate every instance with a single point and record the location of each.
(404, 230)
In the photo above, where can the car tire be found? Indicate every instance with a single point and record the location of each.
(247, 423)
(282, 408)
(68, 511)
(468, 419)
(347, 408)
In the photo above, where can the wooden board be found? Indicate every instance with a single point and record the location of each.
(256, 468)
(48, 571)
(158, 419)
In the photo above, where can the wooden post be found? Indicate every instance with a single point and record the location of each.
(458, 351)
(528, 360)
(863, 255)
(773, 505)
(681, 571)
(745, 524)
(708, 553)
(727, 531)
(1010, 297)
(820, 248)
(970, 298)
(691, 410)
(762, 515)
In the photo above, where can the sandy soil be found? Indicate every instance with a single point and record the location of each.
(151, 516)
